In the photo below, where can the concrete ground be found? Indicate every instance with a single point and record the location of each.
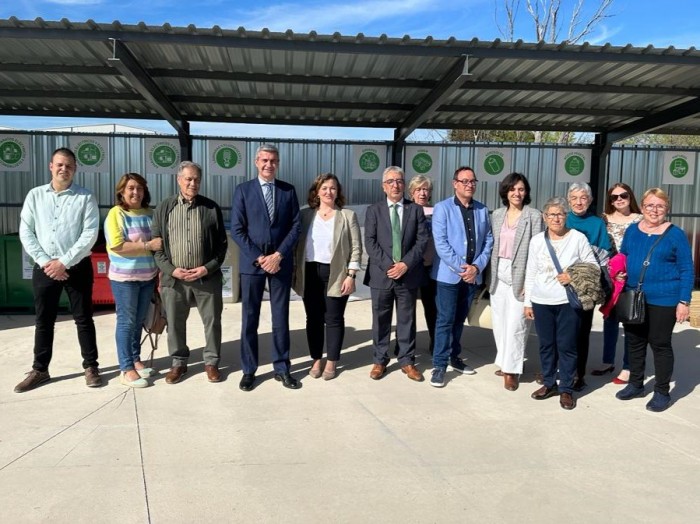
(347, 450)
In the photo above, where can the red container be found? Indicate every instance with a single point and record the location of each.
(101, 288)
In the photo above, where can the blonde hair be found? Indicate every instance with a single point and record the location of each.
(658, 193)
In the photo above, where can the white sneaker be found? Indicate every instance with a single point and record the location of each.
(138, 383)
(458, 365)
(146, 372)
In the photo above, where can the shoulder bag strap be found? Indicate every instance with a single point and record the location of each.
(552, 253)
(645, 264)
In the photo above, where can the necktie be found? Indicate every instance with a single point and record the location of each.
(268, 200)
(395, 234)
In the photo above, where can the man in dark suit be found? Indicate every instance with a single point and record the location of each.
(265, 225)
(396, 236)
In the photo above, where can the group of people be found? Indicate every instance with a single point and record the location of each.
(442, 254)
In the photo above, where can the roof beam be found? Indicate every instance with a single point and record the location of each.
(580, 88)
(655, 121)
(73, 95)
(449, 83)
(583, 111)
(372, 46)
(132, 70)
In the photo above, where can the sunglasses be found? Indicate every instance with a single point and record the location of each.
(619, 196)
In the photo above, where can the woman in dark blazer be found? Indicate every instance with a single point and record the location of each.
(327, 259)
(513, 226)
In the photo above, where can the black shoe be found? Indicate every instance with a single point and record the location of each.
(247, 382)
(579, 385)
(287, 380)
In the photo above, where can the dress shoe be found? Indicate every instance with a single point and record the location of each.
(175, 374)
(579, 385)
(316, 372)
(539, 378)
(329, 375)
(247, 382)
(498, 373)
(287, 380)
(567, 401)
(413, 373)
(510, 381)
(213, 374)
(93, 378)
(629, 392)
(603, 371)
(378, 371)
(34, 378)
(544, 392)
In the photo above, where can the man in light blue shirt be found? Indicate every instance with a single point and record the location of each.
(58, 227)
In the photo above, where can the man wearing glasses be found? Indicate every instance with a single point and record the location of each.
(463, 243)
(396, 236)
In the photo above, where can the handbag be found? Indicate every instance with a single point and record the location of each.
(631, 307)
(480, 311)
(571, 295)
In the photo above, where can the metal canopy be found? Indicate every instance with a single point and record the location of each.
(191, 74)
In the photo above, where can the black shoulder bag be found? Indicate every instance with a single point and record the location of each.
(631, 307)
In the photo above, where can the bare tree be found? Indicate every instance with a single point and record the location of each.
(550, 18)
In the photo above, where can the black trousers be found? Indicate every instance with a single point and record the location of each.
(322, 312)
(427, 296)
(583, 341)
(655, 331)
(47, 293)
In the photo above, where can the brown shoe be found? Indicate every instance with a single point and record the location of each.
(544, 392)
(377, 372)
(213, 374)
(510, 381)
(92, 378)
(539, 378)
(34, 378)
(413, 373)
(498, 373)
(175, 374)
(567, 401)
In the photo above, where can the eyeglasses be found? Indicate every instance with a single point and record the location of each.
(652, 207)
(467, 182)
(554, 216)
(619, 196)
(394, 181)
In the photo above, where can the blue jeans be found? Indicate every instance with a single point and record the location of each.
(131, 300)
(557, 328)
(452, 301)
(611, 329)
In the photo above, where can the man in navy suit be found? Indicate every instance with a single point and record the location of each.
(396, 236)
(463, 243)
(265, 225)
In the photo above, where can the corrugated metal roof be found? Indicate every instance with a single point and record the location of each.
(220, 75)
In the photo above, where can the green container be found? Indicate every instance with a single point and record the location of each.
(16, 291)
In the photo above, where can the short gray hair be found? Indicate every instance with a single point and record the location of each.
(556, 201)
(580, 186)
(267, 148)
(188, 164)
(392, 169)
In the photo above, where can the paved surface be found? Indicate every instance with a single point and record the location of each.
(348, 450)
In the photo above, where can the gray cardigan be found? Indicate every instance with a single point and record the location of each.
(529, 225)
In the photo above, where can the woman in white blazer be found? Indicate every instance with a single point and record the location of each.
(512, 226)
(327, 259)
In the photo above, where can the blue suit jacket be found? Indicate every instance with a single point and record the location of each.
(253, 231)
(450, 240)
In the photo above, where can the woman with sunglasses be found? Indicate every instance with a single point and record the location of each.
(667, 286)
(621, 210)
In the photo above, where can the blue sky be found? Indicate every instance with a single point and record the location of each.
(638, 22)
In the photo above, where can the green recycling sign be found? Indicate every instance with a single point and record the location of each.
(162, 155)
(573, 165)
(679, 167)
(13, 152)
(226, 157)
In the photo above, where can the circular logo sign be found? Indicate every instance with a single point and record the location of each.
(11, 152)
(227, 157)
(422, 163)
(679, 167)
(493, 164)
(369, 161)
(573, 165)
(89, 153)
(163, 155)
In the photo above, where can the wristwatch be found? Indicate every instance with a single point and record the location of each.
(685, 303)
(351, 275)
